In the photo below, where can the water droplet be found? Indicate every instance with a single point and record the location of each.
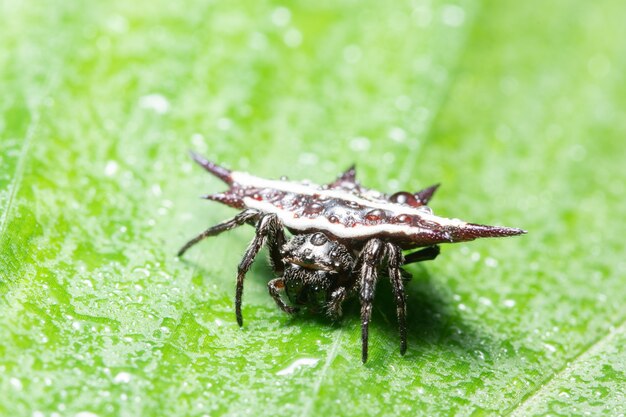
(122, 377)
(111, 168)
(397, 134)
(298, 363)
(422, 15)
(155, 102)
(308, 159)
(599, 66)
(577, 153)
(402, 197)
(453, 15)
(85, 414)
(402, 219)
(293, 38)
(156, 190)
(509, 303)
(403, 103)
(375, 215)
(281, 16)
(16, 383)
(549, 347)
(484, 301)
(360, 144)
(224, 123)
(491, 263)
(313, 208)
(258, 41)
(352, 54)
(117, 24)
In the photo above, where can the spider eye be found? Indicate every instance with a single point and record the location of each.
(318, 239)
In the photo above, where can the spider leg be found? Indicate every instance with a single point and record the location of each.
(337, 297)
(426, 254)
(275, 241)
(274, 286)
(371, 256)
(394, 261)
(236, 221)
(267, 226)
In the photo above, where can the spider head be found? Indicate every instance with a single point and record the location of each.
(315, 265)
(316, 251)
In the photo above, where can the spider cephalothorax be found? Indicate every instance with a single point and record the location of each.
(316, 267)
(342, 234)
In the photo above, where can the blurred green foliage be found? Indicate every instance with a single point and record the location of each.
(516, 107)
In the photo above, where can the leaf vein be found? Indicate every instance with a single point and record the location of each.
(520, 408)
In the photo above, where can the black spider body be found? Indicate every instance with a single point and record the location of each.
(342, 234)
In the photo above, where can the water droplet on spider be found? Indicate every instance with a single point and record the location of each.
(313, 209)
(402, 197)
(375, 215)
(402, 219)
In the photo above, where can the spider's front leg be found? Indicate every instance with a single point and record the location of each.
(337, 297)
(274, 287)
(371, 256)
(268, 229)
(240, 219)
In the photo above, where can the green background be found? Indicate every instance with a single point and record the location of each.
(517, 108)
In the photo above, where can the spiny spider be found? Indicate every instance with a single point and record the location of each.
(342, 234)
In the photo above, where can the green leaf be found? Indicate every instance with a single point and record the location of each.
(515, 107)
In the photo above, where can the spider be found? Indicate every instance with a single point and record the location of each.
(342, 236)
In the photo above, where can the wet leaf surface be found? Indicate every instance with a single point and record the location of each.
(514, 108)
